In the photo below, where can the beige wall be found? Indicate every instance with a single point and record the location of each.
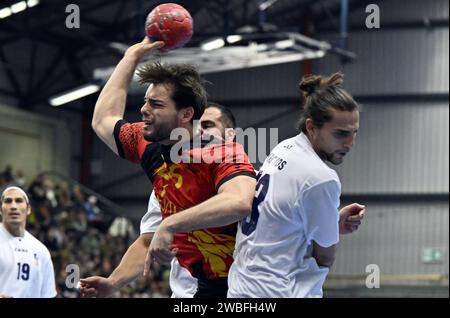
(33, 143)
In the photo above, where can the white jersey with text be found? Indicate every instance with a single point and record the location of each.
(296, 202)
(26, 268)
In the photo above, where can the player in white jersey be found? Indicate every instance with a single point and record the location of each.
(217, 120)
(26, 268)
(287, 245)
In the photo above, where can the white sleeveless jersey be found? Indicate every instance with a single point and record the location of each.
(182, 283)
(296, 202)
(26, 268)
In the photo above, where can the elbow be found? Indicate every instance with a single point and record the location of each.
(324, 256)
(97, 118)
(97, 126)
(244, 207)
(95, 123)
(325, 261)
(146, 239)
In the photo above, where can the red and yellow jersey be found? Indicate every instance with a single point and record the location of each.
(206, 253)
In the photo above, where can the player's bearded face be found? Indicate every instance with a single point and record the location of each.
(160, 131)
(335, 139)
(159, 114)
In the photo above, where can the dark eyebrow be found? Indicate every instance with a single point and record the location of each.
(8, 199)
(346, 130)
(153, 101)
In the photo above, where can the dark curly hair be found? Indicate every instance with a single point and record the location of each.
(188, 86)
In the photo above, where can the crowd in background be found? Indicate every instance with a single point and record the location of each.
(76, 231)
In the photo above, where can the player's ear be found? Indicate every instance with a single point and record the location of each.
(185, 115)
(230, 134)
(310, 127)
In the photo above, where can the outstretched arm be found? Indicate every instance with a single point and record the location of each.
(110, 105)
(129, 269)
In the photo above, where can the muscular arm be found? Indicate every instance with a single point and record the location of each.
(132, 262)
(110, 105)
(232, 203)
(127, 271)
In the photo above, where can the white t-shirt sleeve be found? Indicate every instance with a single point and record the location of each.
(48, 288)
(151, 220)
(320, 213)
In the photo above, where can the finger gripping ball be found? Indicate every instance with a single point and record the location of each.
(171, 23)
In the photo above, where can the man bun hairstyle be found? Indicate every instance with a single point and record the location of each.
(320, 93)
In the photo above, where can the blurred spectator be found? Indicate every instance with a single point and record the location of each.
(79, 223)
(50, 195)
(121, 227)
(91, 208)
(78, 196)
(20, 179)
(36, 189)
(54, 239)
(64, 195)
(8, 175)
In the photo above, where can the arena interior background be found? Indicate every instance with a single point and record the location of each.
(398, 168)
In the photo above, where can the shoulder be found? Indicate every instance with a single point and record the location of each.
(321, 173)
(38, 245)
(309, 170)
(124, 127)
(218, 151)
(320, 176)
(2, 230)
(286, 146)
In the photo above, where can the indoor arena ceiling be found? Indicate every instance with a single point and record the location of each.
(40, 56)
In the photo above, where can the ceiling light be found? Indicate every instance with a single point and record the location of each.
(74, 94)
(5, 12)
(213, 44)
(234, 38)
(32, 3)
(18, 7)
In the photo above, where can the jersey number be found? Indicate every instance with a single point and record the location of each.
(23, 271)
(249, 223)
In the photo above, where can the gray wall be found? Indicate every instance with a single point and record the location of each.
(72, 122)
(399, 166)
(33, 143)
(263, 83)
(402, 147)
(394, 62)
(394, 236)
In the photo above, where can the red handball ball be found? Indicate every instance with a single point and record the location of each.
(171, 23)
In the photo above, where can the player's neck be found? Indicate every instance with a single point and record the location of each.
(186, 133)
(314, 146)
(15, 229)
